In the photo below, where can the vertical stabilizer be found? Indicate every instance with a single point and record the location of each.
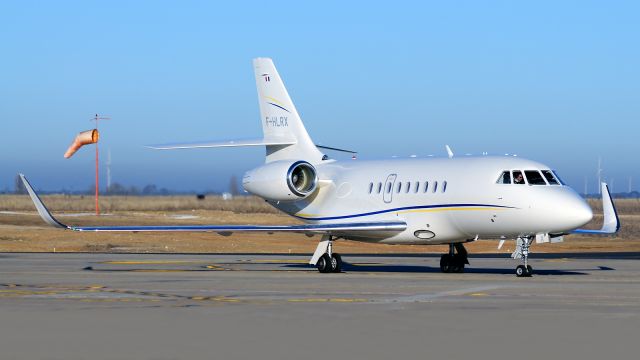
(279, 117)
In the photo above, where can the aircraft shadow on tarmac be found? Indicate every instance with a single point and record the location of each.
(383, 268)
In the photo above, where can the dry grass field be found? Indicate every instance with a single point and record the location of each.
(21, 230)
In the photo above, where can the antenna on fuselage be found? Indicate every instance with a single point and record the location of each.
(449, 152)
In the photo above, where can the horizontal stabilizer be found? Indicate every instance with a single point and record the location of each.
(223, 143)
(335, 149)
(333, 229)
(611, 223)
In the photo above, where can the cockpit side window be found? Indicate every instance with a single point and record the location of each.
(518, 178)
(505, 178)
(549, 176)
(534, 177)
(555, 173)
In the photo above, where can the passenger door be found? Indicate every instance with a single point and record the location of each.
(387, 191)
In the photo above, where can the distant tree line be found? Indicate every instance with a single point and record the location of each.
(119, 189)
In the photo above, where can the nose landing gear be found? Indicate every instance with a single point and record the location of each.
(522, 251)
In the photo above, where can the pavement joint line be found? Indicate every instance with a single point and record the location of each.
(335, 300)
(434, 296)
(151, 262)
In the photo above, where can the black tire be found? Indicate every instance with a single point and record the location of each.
(336, 263)
(458, 264)
(445, 263)
(529, 270)
(521, 271)
(324, 264)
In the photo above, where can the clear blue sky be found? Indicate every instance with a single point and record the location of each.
(554, 81)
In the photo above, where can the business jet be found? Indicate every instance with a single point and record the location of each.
(450, 200)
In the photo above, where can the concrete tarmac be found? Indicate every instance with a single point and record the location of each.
(126, 306)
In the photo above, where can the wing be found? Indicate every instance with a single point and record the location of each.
(611, 223)
(325, 228)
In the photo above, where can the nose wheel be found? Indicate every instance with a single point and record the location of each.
(522, 250)
(524, 271)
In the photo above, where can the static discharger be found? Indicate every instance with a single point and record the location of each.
(83, 138)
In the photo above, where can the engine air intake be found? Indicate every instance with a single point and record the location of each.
(302, 178)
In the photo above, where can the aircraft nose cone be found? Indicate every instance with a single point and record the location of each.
(581, 213)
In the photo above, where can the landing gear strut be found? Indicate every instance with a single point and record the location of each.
(324, 258)
(454, 261)
(522, 251)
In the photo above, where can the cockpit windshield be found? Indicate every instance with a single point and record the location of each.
(534, 177)
(505, 178)
(531, 177)
(550, 178)
(518, 178)
(555, 173)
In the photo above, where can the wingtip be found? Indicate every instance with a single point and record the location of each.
(40, 207)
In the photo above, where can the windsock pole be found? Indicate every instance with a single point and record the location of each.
(96, 119)
(97, 177)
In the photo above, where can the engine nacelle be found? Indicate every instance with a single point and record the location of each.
(282, 180)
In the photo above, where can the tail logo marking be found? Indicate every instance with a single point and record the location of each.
(266, 77)
(276, 103)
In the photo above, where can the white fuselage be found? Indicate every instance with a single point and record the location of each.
(442, 200)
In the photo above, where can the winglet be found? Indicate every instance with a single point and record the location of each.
(42, 210)
(611, 223)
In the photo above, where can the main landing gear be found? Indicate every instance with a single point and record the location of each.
(522, 251)
(324, 258)
(455, 260)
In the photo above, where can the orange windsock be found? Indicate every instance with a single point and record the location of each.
(83, 138)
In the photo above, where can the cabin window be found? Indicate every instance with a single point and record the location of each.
(534, 177)
(399, 187)
(505, 178)
(389, 188)
(406, 190)
(549, 176)
(417, 187)
(370, 188)
(379, 187)
(444, 186)
(518, 178)
(426, 186)
(435, 186)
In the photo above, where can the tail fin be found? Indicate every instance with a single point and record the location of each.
(280, 120)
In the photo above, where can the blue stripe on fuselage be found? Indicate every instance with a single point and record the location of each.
(403, 209)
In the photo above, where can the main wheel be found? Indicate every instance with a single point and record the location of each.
(336, 263)
(458, 264)
(445, 263)
(324, 264)
(529, 270)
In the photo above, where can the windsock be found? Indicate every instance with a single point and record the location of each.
(83, 138)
